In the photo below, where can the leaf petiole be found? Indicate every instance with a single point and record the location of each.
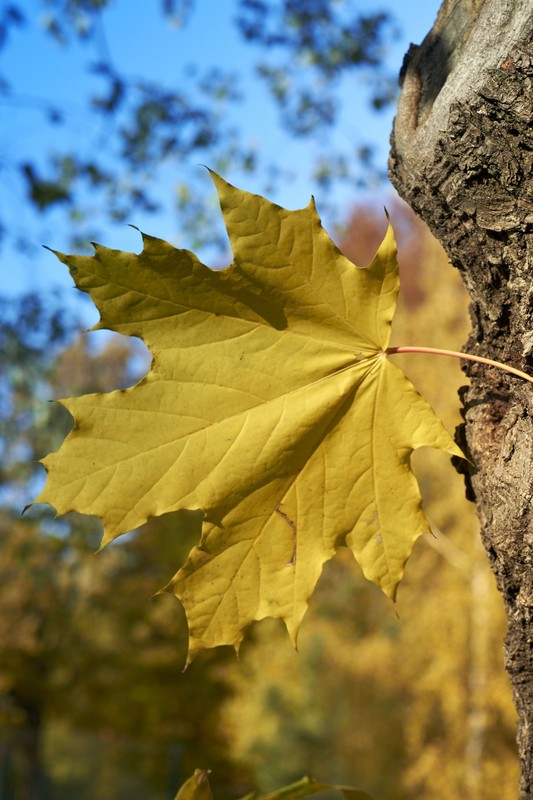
(466, 356)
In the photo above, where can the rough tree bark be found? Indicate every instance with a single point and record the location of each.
(462, 157)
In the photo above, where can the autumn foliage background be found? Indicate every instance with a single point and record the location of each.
(406, 701)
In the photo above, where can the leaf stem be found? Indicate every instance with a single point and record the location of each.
(466, 356)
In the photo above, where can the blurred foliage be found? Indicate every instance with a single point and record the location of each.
(31, 334)
(146, 126)
(323, 41)
(406, 702)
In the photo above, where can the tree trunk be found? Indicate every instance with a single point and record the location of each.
(462, 157)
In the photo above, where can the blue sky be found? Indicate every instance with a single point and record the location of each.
(144, 44)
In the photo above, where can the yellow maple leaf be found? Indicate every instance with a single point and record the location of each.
(271, 405)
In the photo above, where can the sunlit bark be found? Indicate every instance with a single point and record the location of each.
(462, 153)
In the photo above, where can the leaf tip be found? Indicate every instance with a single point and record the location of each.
(293, 629)
(107, 538)
(221, 185)
(193, 648)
